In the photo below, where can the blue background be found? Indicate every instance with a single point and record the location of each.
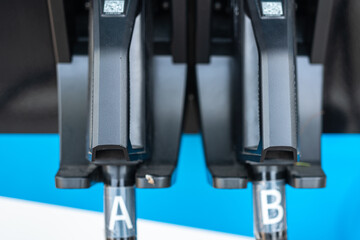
(29, 163)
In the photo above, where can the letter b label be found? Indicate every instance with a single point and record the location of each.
(273, 206)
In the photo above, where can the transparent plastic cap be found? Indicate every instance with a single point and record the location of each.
(269, 209)
(119, 209)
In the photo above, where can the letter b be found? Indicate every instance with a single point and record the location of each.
(266, 206)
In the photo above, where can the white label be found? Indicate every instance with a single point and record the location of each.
(272, 9)
(114, 6)
(114, 217)
(274, 205)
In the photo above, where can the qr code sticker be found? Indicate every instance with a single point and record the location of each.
(272, 9)
(114, 6)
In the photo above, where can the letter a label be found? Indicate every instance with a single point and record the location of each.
(124, 216)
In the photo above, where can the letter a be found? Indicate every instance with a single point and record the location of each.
(114, 217)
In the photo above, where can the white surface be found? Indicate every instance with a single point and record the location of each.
(21, 220)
